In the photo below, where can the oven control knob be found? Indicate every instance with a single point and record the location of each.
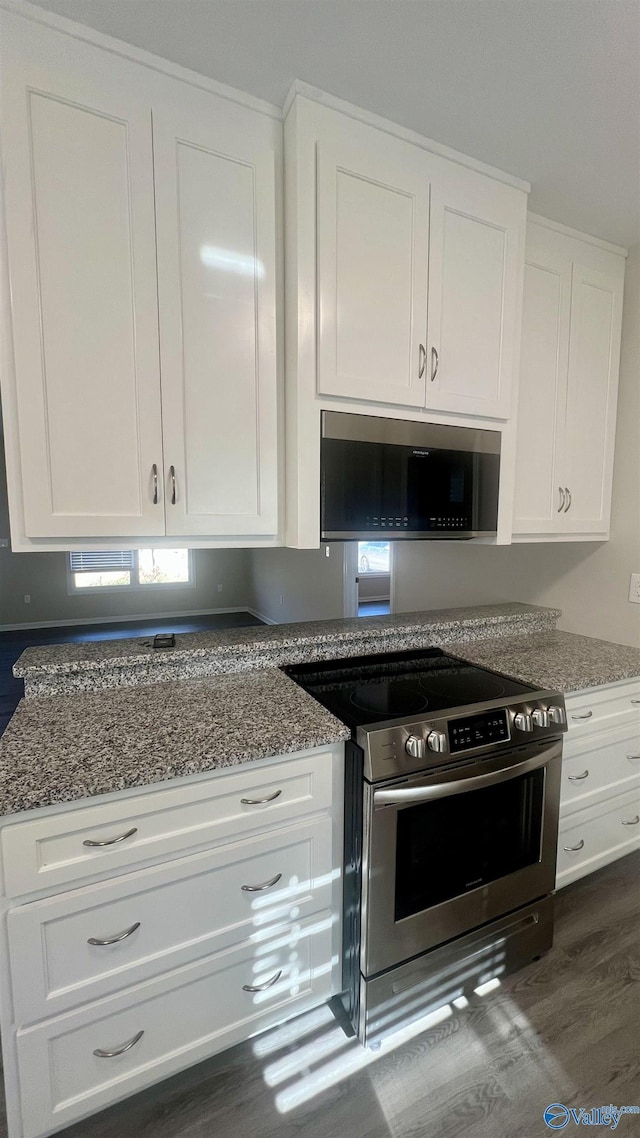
(414, 746)
(557, 715)
(523, 722)
(437, 741)
(540, 717)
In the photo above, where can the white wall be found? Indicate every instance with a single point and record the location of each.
(297, 584)
(43, 577)
(589, 582)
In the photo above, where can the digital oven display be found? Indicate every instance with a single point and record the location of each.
(478, 731)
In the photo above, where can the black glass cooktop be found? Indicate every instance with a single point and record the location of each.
(396, 685)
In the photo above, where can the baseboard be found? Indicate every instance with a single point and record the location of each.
(70, 622)
(260, 616)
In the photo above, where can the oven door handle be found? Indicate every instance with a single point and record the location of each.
(407, 796)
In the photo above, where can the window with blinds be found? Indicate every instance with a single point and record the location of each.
(129, 568)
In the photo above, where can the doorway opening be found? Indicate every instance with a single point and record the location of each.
(368, 573)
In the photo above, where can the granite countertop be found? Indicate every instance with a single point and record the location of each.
(62, 748)
(74, 667)
(558, 661)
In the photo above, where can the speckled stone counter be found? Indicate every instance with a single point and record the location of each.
(559, 661)
(66, 668)
(59, 749)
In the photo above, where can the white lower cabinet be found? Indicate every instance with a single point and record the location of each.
(77, 1064)
(111, 983)
(600, 796)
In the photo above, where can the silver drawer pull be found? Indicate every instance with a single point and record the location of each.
(260, 801)
(112, 841)
(635, 700)
(265, 885)
(574, 849)
(587, 715)
(119, 1050)
(577, 777)
(633, 758)
(633, 822)
(262, 987)
(114, 939)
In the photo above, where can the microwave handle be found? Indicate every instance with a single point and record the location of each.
(408, 796)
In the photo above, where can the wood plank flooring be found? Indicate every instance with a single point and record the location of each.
(564, 1029)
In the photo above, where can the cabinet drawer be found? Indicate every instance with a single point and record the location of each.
(598, 765)
(602, 708)
(161, 918)
(591, 838)
(52, 852)
(184, 1017)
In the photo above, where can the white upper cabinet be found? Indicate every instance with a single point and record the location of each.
(215, 177)
(76, 137)
(475, 267)
(373, 244)
(419, 267)
(141, 222)
(571, 327)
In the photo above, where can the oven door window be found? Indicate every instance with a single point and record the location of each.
(447, 847)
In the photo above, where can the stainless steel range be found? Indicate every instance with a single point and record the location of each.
(452, 797)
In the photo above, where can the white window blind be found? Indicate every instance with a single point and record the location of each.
(100, 561)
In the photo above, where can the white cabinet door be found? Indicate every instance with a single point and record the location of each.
(372, 255)
(592, 390)
(476, 251)
(539, 495)
(215, 183)
(571, 327)
(76, 136)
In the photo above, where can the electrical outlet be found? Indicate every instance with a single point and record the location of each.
(219, 588)
(27, 599)
(634, 588)
(327, 551)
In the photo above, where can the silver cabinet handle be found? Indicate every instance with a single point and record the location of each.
(587, 715)
(112, 841)
(633, 822)
(265, 885)
(154, 471)
(568, 493)
(633, 758)
(561, 493)
(577, 777)
(262, 987)
(574, 849)
(172, 475)
(114, 939)
(422, 357)
(635, 700)
(119, 1050)
(435, 363)
(260, 801)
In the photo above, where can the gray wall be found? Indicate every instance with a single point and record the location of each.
(589, 582)
(43, 576)
(297, 584)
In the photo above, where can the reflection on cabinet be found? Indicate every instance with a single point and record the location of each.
(190, 935)
(571, 325)
(125, 421)
(394, 220)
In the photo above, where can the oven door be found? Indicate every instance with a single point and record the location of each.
(446, 852)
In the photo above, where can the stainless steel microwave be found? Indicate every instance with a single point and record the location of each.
(398, 479)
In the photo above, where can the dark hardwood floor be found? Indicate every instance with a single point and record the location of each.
(565, 1029)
